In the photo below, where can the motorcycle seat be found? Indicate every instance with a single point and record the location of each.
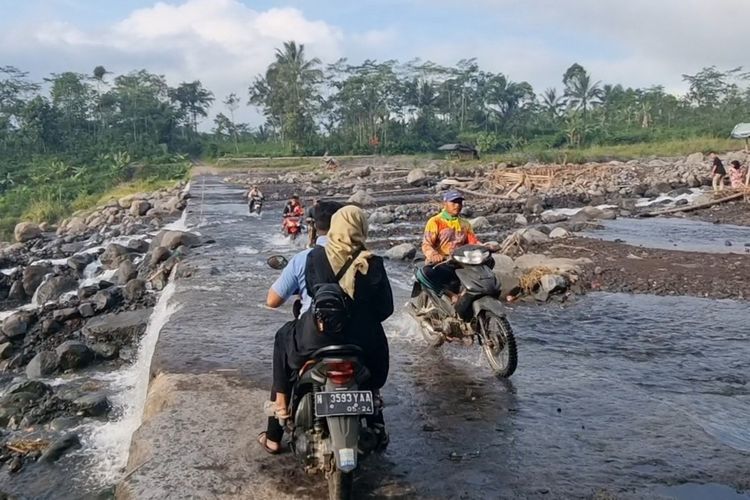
(331, 351)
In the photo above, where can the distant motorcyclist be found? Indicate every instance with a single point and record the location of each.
(310, 221)
(293, 208)
(254, 196)
(444, 233)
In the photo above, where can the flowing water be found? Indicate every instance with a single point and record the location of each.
(638, 396)
(676, 234)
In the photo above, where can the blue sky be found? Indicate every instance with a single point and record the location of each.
(225, 43)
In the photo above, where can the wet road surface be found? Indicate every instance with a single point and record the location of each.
(615, 394)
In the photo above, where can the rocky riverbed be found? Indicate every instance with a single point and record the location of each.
(77, 300)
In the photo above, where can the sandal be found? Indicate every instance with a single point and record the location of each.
(271, 410)
(263, 442)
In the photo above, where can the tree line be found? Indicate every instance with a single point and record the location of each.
(393, 107)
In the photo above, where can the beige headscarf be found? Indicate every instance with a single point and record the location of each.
(347, 234)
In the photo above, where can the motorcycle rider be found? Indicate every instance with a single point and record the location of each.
(310, 221)
(290, 283)
(366, 283)
(293, 208)
(443, 233)
(253, 196)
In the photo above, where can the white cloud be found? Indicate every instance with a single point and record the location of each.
(221, 42)
(376, 39)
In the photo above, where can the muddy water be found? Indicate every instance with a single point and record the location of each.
(626, 394)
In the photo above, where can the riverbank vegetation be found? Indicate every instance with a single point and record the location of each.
(71, 137)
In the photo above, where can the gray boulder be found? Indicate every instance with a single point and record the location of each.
(16, 325)
(417, 177)
(126, 272)
(138, 246)
(33, 277)
(114, 255)
(86, 310)
(42, 365)
(480, 223)
(559, 233)
(404, 251)
(159, 255)
(72, 355)
(92, 405)
(174, 239)
(104, 350)
(53, 288)
(59, 447)
(6, 350)
(134, 290)
(503, 263)
(551, 283)
(694, 159)
(139, 208)
(117, 327)
(26, 231)
(361, 198)
(381, 217)
(105, 299)
(553, 218)
(530, 235)
(79, 261)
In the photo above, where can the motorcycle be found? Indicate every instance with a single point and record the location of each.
(291, 226)
(329, 430)
(477, 315)
(255, 205)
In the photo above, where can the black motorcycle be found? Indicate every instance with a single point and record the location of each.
(469, 310)
(255, 205)
(329, 429)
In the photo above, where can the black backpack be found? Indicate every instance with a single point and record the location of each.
(331, 305)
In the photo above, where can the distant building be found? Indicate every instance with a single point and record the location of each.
(460, 151)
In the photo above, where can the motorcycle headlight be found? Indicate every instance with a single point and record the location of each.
(472, 257)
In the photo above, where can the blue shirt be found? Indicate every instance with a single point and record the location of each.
(292, 279)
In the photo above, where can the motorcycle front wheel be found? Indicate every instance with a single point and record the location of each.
(340, 485)
(498, 343)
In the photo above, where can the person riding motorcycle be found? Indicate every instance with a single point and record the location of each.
(293, 208)
(253, 196)
(443, 233)
(310, 221)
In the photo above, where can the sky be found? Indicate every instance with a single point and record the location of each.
(226, 43)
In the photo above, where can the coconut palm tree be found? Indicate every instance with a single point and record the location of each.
(581, 92)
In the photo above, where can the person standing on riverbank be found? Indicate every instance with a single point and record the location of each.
(737, 175)
(717, 172)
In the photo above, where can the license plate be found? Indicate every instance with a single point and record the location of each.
(331, 404)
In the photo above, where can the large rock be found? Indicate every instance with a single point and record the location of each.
(361, 198)
(72, 354)
(694, 159)
(381, 217)
(92, 405)
(42, 365)
(417, 177)
(59, 447)
(53, 288)
(126, 272)
(174, 239)
(16, 325)
(26, 231)
(503, 263)
(559, 233)
(551, 283)
(105, 299)
(33, 277)
(531, 236)
(560, 265)
(78, 262)
(114, 255)
(77, 226)
(139, 208)
(138, 245)
(553, 218)
(134, 290)
(404, 251)
(117, 328)
(480, 223)
(6, 350)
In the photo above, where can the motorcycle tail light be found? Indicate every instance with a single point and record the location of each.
(340, 372)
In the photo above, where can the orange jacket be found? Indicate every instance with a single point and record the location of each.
(444, 233)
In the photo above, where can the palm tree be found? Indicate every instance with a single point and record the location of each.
(552, 104)
(582, 93)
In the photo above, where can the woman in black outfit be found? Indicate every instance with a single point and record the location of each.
(365, 281)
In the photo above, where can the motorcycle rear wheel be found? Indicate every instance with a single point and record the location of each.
(340, 485)
(498, 344)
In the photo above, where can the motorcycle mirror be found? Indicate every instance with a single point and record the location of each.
(277, 262)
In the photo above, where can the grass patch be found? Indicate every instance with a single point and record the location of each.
(87, 202)
(623, 152)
